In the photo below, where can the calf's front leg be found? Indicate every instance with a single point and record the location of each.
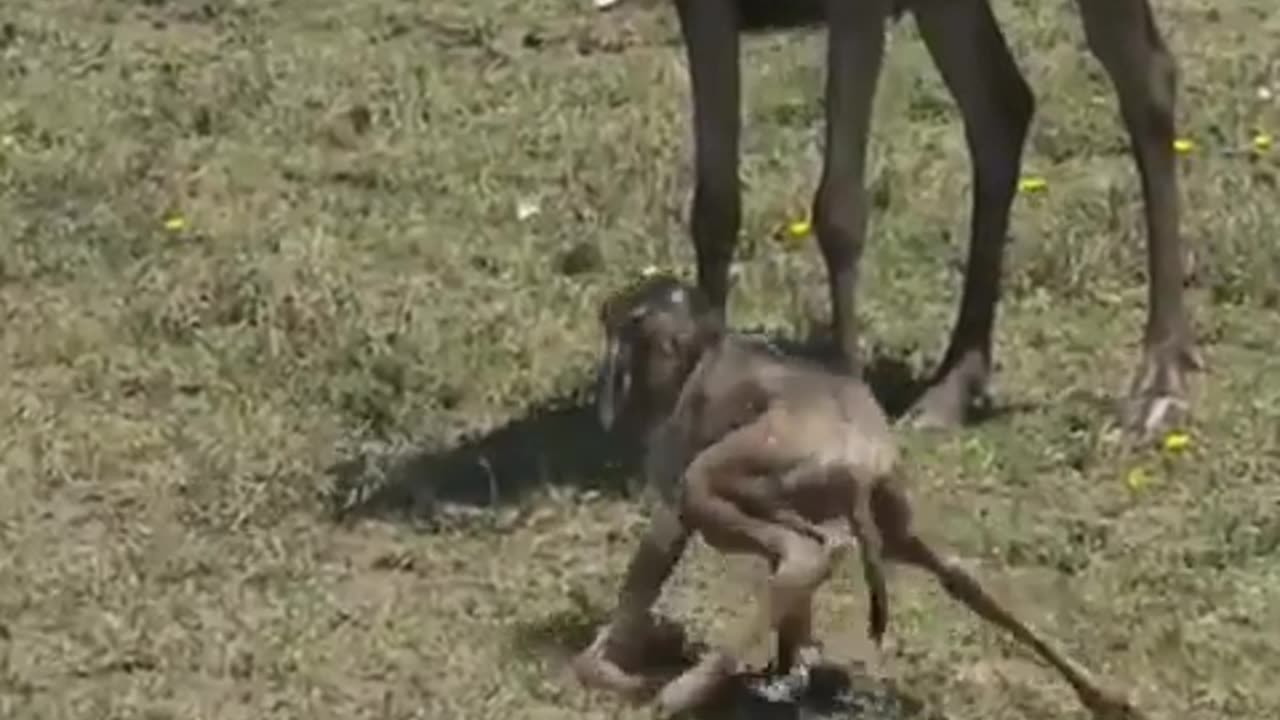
(609, 662)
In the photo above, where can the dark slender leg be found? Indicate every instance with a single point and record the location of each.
(855, 50)
(1123, 35)
(710, 30)
(967, 46)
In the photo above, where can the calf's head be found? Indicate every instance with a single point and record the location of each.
(655, 331)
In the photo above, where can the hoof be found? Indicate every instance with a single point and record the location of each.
(594, 669)
(953, 400)
(1111, 705)
(695, 687)
(1157, 401)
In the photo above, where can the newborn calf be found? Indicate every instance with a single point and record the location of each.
(760, 454)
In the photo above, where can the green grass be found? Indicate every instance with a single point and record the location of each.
(353, 283)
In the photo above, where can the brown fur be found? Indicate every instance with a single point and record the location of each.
(760, 454)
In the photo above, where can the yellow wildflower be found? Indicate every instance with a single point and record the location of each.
(1262, 142)
(175, 223)
(1182, 146)
(1138, 478)
(796, 232)
(800, 228)
(1176, 441)
(1032, 184)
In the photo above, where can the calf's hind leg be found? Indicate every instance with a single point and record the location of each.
(768, 498)
(764, 497)
(871, 547)
(800, 564)
(796, 644)
(901, 544)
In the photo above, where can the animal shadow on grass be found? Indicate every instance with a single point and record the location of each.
(546, 646)
(558, 442)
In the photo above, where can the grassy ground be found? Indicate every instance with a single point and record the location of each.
(250, 251)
